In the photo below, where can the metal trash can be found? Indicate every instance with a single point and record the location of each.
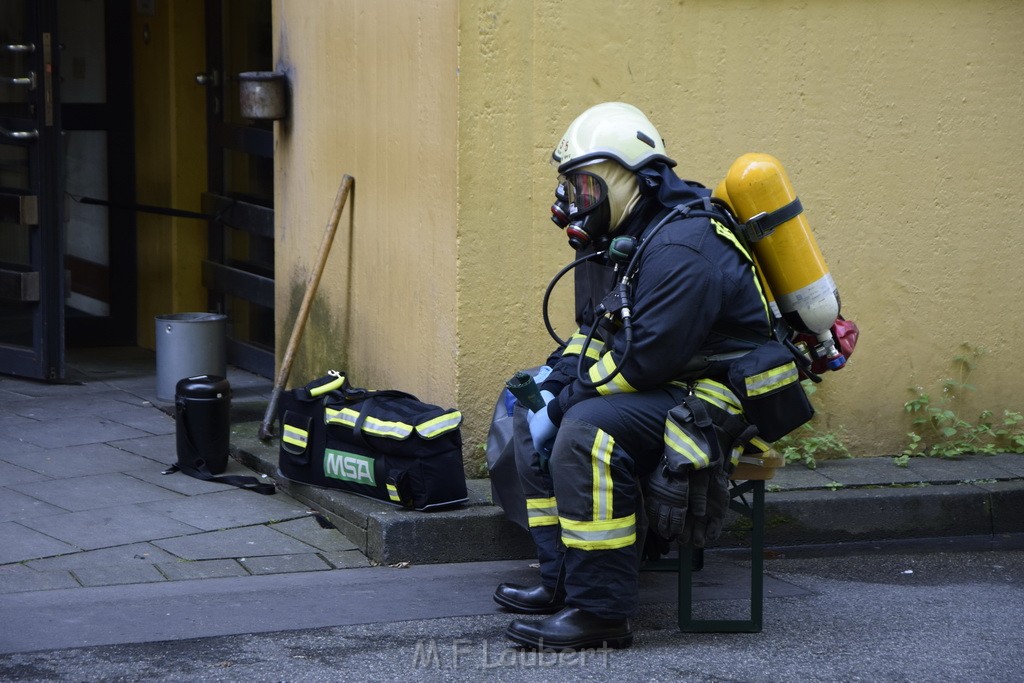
(188, 344)
(202, 412)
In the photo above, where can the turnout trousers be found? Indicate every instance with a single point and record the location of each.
(586, 512)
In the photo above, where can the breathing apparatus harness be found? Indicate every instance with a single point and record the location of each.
(625, 252)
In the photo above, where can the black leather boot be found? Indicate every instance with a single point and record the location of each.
(571, 629)
(529, 599)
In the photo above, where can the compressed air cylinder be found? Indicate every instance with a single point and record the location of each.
(789, 258)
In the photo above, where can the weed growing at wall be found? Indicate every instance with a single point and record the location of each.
(808, 444)
(941, 428)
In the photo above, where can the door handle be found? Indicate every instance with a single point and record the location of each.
(19, 134)
(29, 80)
(18, 48)
(207, 79)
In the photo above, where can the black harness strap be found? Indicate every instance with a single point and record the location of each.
(763, 224)
(199, 470)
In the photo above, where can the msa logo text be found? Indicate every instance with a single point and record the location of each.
(348, 467)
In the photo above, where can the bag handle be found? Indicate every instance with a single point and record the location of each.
(351, 394)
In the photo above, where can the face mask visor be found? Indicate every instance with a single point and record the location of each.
(583, 191)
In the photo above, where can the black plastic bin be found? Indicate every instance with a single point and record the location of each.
(202, 411)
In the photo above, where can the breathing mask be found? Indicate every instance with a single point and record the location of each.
(592, 201)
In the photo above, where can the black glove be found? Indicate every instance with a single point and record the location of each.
(666, 502)
(709, 501)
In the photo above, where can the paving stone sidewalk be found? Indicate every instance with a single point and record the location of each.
(83, 501)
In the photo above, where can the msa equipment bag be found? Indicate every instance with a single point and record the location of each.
(384, 444)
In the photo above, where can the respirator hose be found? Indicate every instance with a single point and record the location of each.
(683, 210)
(627, 325)
(627, 331)
(551, 286)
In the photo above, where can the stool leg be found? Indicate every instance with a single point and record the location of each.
(686, 621)
(687, 558)
(757, 559)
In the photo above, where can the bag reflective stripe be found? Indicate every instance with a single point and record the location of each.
(767, 383)
(295, 436)
(430, 429)
(393, 493)
(439, 425)
(772, 380)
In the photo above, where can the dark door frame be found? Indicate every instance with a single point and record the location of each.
(40, 209)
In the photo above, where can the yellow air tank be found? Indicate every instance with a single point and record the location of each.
(788, 257)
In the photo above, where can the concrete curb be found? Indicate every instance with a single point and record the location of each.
(867, 499)
(884, 513)
(389, 535)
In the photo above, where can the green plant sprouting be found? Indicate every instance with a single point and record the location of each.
(807, 445)
(941, 428)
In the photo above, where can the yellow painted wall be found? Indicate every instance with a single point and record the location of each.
(373, 90)
(170, 142)
(900, 124)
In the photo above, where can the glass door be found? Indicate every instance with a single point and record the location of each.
(97, 141)
(32, 278)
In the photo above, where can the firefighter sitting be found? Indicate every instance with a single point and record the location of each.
(656, 303)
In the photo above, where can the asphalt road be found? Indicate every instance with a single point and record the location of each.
(931, 611)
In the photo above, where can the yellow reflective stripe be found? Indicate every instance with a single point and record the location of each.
(439, 425)
(679, 441)
(603, 535)
(345, 416)
(372, 425)
(575, 346)
(730, 237)
(541, 511)
(294, 435)
(393, 430)
(330, 386)
(718, 394)
(760, 444)
(603, 369)
(764, 298)
(601, 458)
(770, 380)
(393, 493)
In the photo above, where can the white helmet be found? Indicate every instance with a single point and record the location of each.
(613, 130)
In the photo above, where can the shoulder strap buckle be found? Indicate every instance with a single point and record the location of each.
(764, 223)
